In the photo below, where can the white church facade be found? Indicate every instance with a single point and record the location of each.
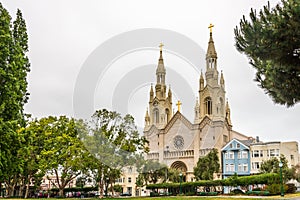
(178, 142)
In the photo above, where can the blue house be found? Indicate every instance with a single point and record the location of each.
(236, 158)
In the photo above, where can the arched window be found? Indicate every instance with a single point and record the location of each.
(168, 115)
(208, 105)
(155, 115)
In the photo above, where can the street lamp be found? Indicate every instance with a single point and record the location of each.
(281, 184)
(180, 189)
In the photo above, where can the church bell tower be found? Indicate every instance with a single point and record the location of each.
(211, 101)
(160, 103)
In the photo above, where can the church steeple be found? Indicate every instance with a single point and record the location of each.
(160, 87)
(211, 54)
(212, 90)
(212, 73)
(160, 103)
(160, 70)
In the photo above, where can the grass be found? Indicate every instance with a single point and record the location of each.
(288, 196)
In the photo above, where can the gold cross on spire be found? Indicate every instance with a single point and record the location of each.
(210, 27)
(178, 104)
(161, 46)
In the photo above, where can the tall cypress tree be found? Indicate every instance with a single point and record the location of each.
(14, 66)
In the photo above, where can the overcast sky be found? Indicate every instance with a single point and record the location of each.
(63, 35)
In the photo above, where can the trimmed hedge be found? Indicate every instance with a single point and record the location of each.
(258, 193)
(207, 193)
(269, 179)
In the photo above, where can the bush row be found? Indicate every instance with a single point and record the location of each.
(232, 181)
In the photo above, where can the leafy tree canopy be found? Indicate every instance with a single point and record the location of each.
(272, 166)
(271, 40)
(207, 166)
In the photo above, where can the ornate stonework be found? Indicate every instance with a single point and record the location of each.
(173, 139)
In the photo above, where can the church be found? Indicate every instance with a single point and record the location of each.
(178, 142)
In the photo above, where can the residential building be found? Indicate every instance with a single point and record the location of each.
(236, 158)
(262, 151)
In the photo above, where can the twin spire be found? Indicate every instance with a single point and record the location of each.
(160, 103)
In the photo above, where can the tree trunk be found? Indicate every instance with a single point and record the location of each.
(112, 189)
(101, 189)
(11, 190)
(21, 190)
(27, 186)
(61, 192)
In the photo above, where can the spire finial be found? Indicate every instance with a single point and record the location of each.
(161, 46)
(178, 104)
(210, 27)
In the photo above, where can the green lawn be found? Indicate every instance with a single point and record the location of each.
(289, 196)
(210, 198)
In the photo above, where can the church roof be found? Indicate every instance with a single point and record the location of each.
(181, 117)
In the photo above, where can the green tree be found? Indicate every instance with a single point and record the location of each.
(30, 155)
(297, 172)
(173, 175)
(14, 66)
(114, 141)
(151, 172)
(272, 166)
(64, 155)
(271, 40)
(207, 166)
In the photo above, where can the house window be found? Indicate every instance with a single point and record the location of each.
(255, 165)
(231, 168)
(238, 145)
(239, 154)
(230, 145)
(129, 179)
(261, 153)
(255, 153)
(292, 157)
(231, 155)
(226, 155)
(245, 167)
(240, 168)
(244, 154)
(273, 152)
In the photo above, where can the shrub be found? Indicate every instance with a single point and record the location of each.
(190, 193)
(276, 188)
(291, 188)
(154, 194)
(258, 193)
(257, 189)
(207, 193)
(236, 191)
